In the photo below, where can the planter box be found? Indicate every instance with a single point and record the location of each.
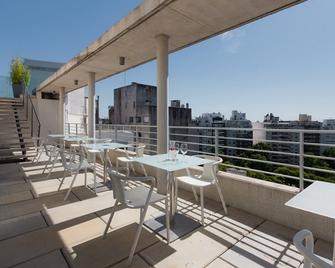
(18, 89)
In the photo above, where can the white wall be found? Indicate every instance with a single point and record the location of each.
(48, 115)
(75, 106)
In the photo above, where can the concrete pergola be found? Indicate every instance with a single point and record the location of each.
(152, 31)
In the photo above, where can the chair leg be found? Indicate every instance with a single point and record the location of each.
(52, 167)
(137, 236)
(221, 198)
(110, 219)
(202, 205)
(61, 183)
(46, 165)
(144, 171)
(71, 185)
(132, 168)
(195, 194)
(40, 153)
(85, 177)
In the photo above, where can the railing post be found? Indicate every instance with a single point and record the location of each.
(68, 128)
(136, 135)
(32, 122)
(301, 160)
(216, 132)
(115, 133)
(76, 128)
(100, 127)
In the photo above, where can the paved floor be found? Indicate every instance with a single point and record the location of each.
(39, 229)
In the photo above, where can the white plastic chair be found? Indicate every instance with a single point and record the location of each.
(39, 148)
(207, 178)
(52, 151)
(74, 168)
(139, 197)
(304, 242)
(129, 160)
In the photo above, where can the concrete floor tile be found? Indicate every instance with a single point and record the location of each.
(266, 246)
(14, 188)
(30, 206)
(15, 197)
(220, 263)
(100, 252)
(78, 209)
(20, 225)
(80, 231)
(137, 262)
(194, 250)
(25, 247)
(53, 259)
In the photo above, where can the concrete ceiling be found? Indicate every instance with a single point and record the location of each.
(185, 21)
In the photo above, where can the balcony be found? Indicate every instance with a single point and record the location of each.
(257, 232)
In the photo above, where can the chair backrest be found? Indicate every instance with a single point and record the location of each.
(118, 182)
(49, 148)
(210, 169)
(304, 242)
(139, 149)
(63, 159)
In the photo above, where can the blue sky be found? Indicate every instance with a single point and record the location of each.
(283, 64)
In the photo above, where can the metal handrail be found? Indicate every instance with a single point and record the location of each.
(214, 140)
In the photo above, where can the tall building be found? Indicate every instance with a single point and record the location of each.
(237, 138)
(136, 104)
(326, 138)
(40, 70)
(206, 134)
(305, 122)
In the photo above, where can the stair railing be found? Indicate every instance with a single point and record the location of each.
(31, 115)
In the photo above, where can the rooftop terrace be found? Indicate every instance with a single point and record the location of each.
(39, 229)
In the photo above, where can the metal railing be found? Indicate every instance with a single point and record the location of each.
(290, 156)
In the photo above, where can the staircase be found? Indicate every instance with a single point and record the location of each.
(16, 143)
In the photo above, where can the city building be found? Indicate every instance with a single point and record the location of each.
(206, 133)
(136, 104)
(235, 138)
(327, 138)
(40, 70)
(111, 115)
(305, 122)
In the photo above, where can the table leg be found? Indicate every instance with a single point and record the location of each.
(105, 164)
(172, 187)
(95, 174)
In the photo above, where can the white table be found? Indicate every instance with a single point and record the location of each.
(180, 224)
(97, 148)
(319, 199)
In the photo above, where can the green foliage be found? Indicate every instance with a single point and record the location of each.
(19, 72)
(329, 152)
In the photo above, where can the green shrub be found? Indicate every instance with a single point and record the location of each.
(19, 73)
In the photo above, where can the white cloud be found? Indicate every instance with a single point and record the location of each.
(231, 41)
(226, 36)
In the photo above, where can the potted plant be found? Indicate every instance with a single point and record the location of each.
(20, 76)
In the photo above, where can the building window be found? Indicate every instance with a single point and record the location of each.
(133, 104)
(146, 119)
(138, 119)
(131, 119)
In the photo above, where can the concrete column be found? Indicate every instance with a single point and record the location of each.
(91, 105)
(162, 93)
(162, 54)
(61, 109)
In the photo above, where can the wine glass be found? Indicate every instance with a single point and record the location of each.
(183, 149)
